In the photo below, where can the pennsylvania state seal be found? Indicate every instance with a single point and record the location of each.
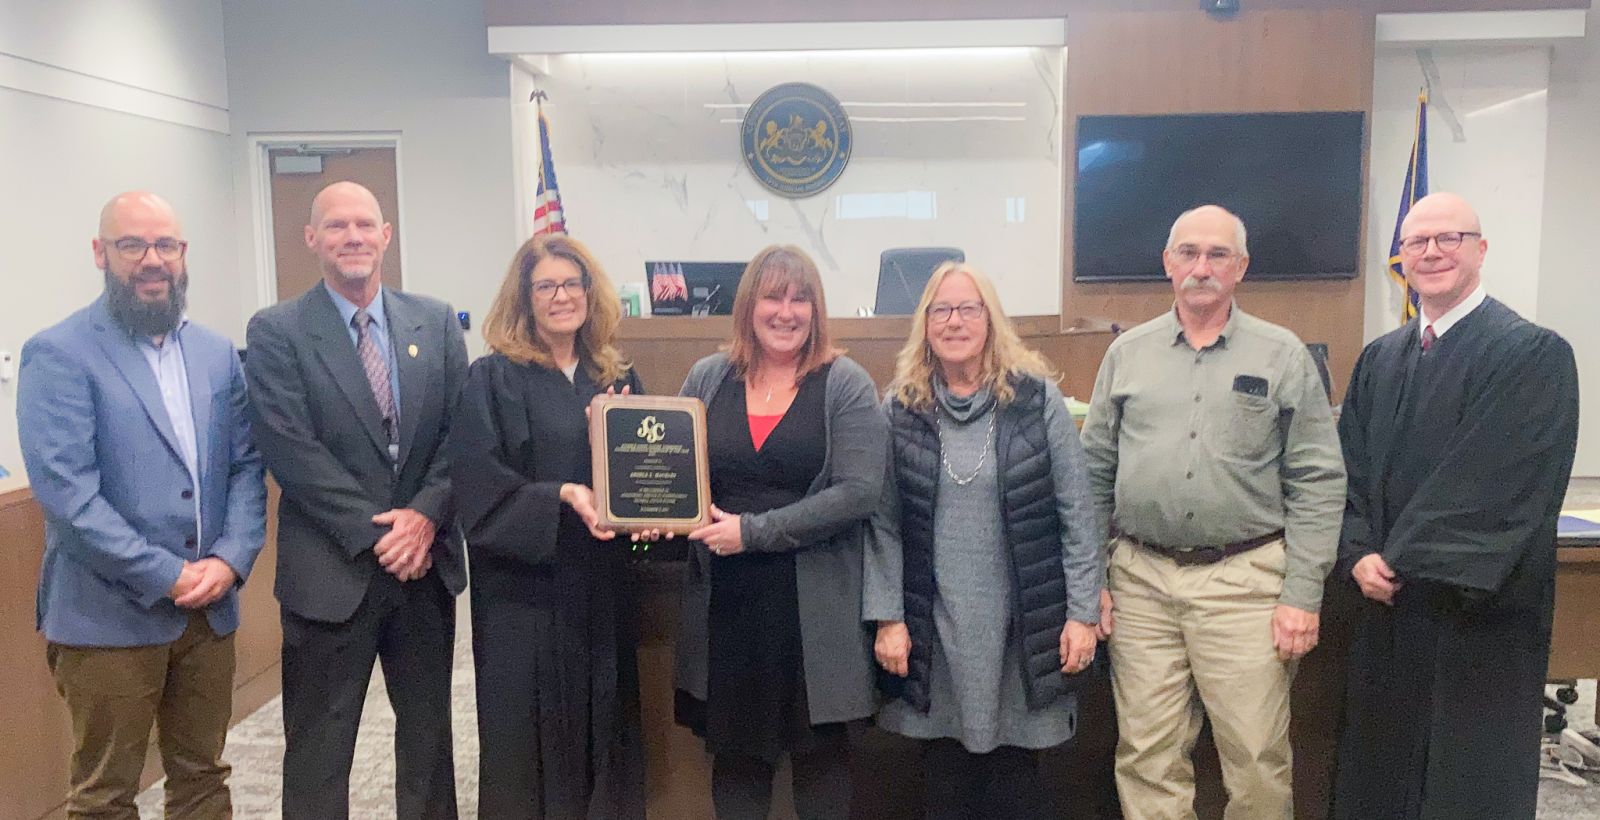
(796, 139)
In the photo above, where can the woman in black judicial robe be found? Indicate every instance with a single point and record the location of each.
(1458, 460)
(552, 616)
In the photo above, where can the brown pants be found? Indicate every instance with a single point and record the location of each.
(1199, 639)
(115, 694)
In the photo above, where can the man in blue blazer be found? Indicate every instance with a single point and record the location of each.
(136, 439)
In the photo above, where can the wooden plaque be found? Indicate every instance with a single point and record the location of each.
(650, 465)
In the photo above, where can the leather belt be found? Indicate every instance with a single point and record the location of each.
(1206, 555)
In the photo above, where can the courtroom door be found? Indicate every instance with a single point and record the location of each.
(297, 173)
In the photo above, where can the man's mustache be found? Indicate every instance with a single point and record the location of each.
(1195, 283)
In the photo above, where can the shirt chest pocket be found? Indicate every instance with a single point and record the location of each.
(1245, 427)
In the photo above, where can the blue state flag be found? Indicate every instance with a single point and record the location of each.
(1416, 188)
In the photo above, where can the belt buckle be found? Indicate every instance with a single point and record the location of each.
(1201, 555)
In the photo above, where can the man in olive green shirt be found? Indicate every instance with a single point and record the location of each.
(1212, 448)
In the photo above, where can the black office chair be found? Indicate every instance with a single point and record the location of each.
(904, 272)
(1566, 695)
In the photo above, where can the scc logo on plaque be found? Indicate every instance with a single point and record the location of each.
(651, 430)
(796, 139)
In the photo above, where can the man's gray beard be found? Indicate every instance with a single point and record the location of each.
(146, 318)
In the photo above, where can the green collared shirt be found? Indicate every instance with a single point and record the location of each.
(1192, 448)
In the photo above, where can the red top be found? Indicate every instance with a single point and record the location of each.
(761, 427)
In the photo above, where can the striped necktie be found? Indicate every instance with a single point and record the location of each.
(377, 367)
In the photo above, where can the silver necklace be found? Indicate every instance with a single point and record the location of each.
(769, 394)
(944, 452)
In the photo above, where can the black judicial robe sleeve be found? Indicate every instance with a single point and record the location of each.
(1501, 473)
(1355, 535)
(519, 436)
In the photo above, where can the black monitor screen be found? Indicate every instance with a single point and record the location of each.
(1295, 180)
(692, 288)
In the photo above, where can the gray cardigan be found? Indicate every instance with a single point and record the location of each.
(825, 531)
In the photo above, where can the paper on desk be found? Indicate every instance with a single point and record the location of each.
(1579, 524)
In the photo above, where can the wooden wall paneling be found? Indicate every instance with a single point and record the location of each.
(1133, 63)
(35, 760)
(259, 641)
(1122, 62)
(35, 763)
(664, 348)
(1574, 652)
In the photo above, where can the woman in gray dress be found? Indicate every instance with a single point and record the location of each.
(983, 572)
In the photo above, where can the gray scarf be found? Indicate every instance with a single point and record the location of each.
(962, 409)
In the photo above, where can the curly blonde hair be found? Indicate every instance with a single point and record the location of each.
(1004, 355)
(509, 328)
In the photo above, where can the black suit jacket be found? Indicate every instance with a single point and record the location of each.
(321, 435)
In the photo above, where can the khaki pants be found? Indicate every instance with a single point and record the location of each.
(115, 694)
(1198, 638)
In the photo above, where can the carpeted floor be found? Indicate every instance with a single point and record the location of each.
(255, 749)
(255, 746)
(1560, 801)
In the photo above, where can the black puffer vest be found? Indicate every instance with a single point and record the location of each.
(1032, 528)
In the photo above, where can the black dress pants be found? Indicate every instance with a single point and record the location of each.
(409, 628)
(1000, 785)
(741, 785)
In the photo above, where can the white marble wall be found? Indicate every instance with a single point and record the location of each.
(1569, 299)
(951, 147)
(1487, 123)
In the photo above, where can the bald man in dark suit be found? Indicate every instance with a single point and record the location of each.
(352, 388)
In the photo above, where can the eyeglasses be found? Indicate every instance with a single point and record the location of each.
(133, 249)
(1447, 242)
(546, 289)
(1217, 258)
(941, 313)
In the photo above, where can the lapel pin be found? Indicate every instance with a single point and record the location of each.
(412, 350)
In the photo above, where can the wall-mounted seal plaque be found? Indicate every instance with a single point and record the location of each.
(649, 458)
(796, 139)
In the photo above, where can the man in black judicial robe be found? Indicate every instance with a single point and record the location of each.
(1458, 432)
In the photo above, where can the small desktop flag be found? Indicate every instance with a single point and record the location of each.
(547, 214)
(1416, 188)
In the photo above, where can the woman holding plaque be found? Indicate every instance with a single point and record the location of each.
(984, 572)
(552, 617)
(773, 658)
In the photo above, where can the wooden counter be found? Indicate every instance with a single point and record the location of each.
(664, 347)
(35, 761)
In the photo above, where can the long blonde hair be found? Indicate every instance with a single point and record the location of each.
(509, 329)
(1004, 355)
(771, 272)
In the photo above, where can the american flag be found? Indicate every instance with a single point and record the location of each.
(547, 214)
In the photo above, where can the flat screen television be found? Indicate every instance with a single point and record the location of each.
(1294, 178)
